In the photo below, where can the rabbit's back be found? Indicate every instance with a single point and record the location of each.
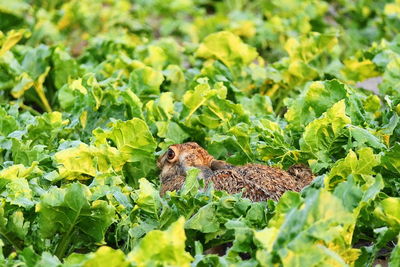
(259, 182)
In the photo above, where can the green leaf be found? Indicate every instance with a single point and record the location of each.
(352, 165)
(355, 70)
(48, 259)
(349, 193)
(364, 137)
(320, 135)
(391, 159)
(65, 67)
(12, 38)
(171, 132)
(228, 48)
(25, 154)
(145, 80)
(390, 83)
(161, 109)
(191, 185)
(132, 138)
(395, 255)
(83, 160)
(35, 61)
(8, 124)
(170, 248)
(175, 75)
(65, 211)
(19, 171)
(13, 227)
(134, 144)
(320, 231)
(148, 198)
(259, 82)
(18, 225)
(372, 103)
(236, 139)
(257, 105)
(204, 220)
(47, 129)
(388, 211)
(310, 46)
(194, 99)
(317, 99)
(288, 201)
(104, 256)
(24, 83)
(69, 93)
(18, 192)
(219, 112)
(275, 144)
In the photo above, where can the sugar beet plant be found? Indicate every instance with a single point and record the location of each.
(91, 92)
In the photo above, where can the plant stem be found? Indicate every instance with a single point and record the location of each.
(11, 241)
(33, 111)
(66, 239)
(63, 245)
(25, 107)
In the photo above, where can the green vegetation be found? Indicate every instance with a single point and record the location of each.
(91, 92)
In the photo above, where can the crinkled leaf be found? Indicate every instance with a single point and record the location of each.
(322, 223)
(12, 38)
(18, 192)
(161, 109)
(352, 165)
(65, 210)
(83, 160)
(191, 185)
(388, 211)
(391, 158)
(204, 220)
(148, 198)
(318, 98)
(65, 67)
(132, 139)
(228, 48)
(320, 135)
(170, 248)
(104, 256)
(194, 99)
(145, 80)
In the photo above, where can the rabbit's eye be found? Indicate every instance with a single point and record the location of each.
(171, 154)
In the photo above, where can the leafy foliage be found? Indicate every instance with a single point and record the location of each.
(92, 92)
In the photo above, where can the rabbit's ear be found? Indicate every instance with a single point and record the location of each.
(220, 165)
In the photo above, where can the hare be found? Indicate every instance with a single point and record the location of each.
(259, 181)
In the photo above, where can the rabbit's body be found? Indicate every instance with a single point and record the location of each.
(259, 182)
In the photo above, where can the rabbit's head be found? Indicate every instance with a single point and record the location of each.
(180, 157)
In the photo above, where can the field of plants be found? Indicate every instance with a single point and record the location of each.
(93, 91)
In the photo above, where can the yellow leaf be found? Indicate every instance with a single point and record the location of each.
(228, 48)
(83, 119)
(40, 91)
(13, 37)
(25, 82)
(356, 71)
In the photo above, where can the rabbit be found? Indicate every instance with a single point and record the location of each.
(260, 182)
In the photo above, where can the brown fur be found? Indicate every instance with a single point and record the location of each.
(260, 182)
